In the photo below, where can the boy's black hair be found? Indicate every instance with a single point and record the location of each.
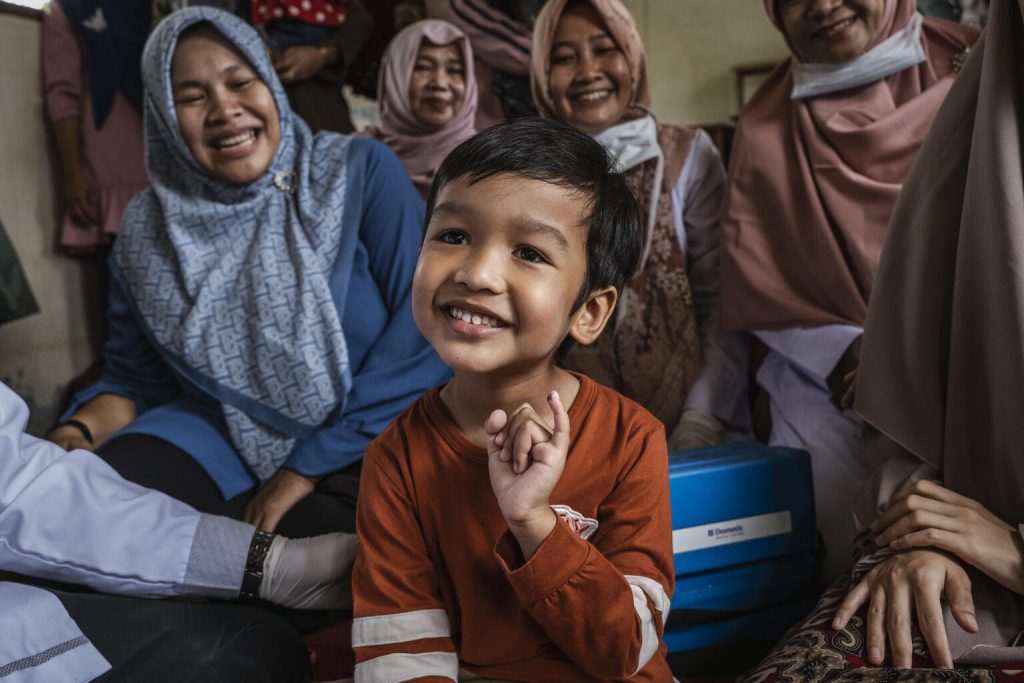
(541, 149)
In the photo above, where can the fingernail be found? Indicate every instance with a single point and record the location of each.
(837, 625)
(971, 621)
(552, 395)
(875, 655)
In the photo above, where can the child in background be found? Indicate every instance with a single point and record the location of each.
(515, 523)
(313, 42)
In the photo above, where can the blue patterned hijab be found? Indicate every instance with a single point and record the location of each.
(231, 281)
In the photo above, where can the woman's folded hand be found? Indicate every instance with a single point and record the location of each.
(928, 515)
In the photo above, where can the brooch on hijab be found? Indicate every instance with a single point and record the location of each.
(960, 59)
(285, 181)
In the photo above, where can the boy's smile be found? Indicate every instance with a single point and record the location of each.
(502, 264)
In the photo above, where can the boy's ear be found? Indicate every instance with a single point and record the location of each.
(589, 320)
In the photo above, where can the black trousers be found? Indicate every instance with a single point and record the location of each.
(161, 641)
(157, 464)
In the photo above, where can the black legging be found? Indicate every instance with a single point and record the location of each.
(157, 464)
(162, 641)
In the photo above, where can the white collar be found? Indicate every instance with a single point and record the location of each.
(900, 51)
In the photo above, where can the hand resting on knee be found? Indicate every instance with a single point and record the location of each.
(935, 532)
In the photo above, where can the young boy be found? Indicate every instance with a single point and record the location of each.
(515, 524)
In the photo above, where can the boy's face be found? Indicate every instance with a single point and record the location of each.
(502, 263)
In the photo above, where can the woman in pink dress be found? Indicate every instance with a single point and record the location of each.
(93, 92)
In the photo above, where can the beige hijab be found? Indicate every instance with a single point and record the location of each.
(624, 32)
(652, 352)
(942, 365)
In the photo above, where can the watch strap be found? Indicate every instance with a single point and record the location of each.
(253, 577)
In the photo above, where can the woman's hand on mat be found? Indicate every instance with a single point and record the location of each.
(276, 498)
(525, 461)
(928, 515)
(904, 586)
(300, 63)
(69, 438)
(310, 573)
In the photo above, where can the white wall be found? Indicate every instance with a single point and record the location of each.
(41, 353)
(692, 46)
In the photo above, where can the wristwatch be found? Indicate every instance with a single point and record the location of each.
(253, 577)
(77, 424)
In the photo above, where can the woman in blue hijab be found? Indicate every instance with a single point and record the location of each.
(260, 331)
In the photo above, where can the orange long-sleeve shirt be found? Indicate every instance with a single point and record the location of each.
(439, 583)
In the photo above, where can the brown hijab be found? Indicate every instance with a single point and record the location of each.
(812, 184)
(942, 364)
(652, 352)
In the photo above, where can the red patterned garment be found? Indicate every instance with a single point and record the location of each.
(315, 12)
(813, 652)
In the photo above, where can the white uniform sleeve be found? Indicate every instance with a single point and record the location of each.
(70, 517)
(815, 350)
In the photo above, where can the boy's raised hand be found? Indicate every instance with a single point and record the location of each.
(525, 461)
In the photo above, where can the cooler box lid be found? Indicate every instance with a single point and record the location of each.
(739, 503)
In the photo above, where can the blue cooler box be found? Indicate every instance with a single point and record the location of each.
(745, 543)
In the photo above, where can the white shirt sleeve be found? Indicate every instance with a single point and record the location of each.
(815, 350)
(68, 516)
(696, 207)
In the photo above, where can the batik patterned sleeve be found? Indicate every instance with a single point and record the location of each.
(401, 631)
(603, 602)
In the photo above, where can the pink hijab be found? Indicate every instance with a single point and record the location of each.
(421, 148)
(812, 184)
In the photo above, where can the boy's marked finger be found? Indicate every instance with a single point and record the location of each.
(560, 436)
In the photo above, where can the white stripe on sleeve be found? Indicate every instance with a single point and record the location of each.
(400, 628)
(644, 588)
(402, 667)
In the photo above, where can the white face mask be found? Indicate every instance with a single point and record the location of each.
(631, 144)
(896, 53)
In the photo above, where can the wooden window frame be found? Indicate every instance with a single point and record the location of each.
(10, 9)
